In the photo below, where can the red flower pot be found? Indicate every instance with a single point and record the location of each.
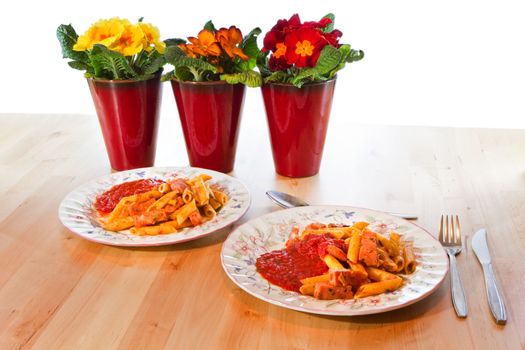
(128, 112)
(210, 114)
(298, 120)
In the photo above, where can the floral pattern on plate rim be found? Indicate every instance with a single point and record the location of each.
(269, 232)
(76, 210)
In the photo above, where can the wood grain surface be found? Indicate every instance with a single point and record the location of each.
(59, 291)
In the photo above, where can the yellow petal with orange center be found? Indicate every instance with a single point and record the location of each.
(130, 42)
(104, 32)
(151, 37)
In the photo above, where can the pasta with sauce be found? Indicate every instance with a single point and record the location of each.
(339, 262)
(153, 207)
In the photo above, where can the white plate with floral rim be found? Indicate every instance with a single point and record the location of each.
(269, 232)
(77, 213)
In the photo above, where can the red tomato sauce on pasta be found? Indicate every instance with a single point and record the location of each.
(107, 201)
(300, 259)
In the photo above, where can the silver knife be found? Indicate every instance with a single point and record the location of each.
(494, 296)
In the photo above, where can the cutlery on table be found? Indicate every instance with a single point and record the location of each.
(286, 200)
(494, 296)
(450, 238)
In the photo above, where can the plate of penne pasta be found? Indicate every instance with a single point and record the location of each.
(154, 206)
(334, 260)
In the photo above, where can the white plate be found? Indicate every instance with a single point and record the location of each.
(76, 210)
(269, 232)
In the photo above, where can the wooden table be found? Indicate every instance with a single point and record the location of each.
(60, 291)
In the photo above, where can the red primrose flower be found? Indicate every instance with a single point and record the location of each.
(294, 43)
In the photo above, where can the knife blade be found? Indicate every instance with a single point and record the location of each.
(494, 295)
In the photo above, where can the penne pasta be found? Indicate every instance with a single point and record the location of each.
(200, 192)
(376, 288)
(208, 211)
(162, 201)
(358, 261)
(118, 224)
(215, 204)
(353, 248)
(360, 225)
(376, 274)
(332, 262)
(315, 279)
(184, 212)
(307, 289)
(400, 263)
(187, 195)
(220, 197)
(164, 188)
(164, 207)
(410, 259)
(386, 262)
(384, 242)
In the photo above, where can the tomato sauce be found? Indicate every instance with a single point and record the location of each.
(107, 201)
(300, 259)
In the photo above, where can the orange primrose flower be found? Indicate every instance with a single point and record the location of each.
(229, 39)
(204, 45)
(187, 51)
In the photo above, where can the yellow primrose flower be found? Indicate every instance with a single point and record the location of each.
(105, 32)
(130, 41)
(152, 36)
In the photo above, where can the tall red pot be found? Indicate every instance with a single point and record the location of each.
(128, 112)
(210, 114)
(298, 121)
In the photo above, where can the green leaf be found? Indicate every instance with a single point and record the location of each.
(78, 65)
(155, 65)
(328, 60)
(110, 64)
(209, 26)
(249, 41)
(355, 55)
(305, 75)
(250, 48)
(249, 78)
(68, 37)
(278, 77)
(262, 64)
(168, 76)
(174, 41)
(200, 69)
(330, 26)
(183, 74)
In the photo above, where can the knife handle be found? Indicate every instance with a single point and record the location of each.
(494, 296)
(458, 294)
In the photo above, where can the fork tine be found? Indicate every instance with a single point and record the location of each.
(447, 230)
(452, 238)
(458, 231)
(441, 229)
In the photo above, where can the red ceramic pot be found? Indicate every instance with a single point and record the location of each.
(210, 114)
(298, 120)
(128, 112)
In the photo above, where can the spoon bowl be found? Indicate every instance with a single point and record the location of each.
(286, 200)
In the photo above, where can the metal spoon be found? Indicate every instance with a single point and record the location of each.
(286, 200)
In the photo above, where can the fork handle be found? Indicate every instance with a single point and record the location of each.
(496, 303)
(458, 294)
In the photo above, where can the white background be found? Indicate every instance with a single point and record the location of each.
(448, 62)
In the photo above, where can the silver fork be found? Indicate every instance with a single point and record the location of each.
(450, 238)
